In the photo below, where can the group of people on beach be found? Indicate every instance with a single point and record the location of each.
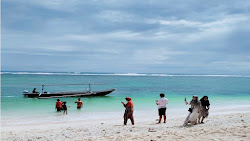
(198, 111)
(61, 105)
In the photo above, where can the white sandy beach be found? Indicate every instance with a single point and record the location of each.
(229, 127)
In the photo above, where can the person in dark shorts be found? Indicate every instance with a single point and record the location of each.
(162, 102)
(58, 105)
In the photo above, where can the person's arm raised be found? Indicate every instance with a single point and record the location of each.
(123, 104)
(186, 101)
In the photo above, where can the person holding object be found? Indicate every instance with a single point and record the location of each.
(193, 111)
(162, 102)
(129, 109)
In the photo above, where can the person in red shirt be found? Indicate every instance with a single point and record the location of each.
(129, 109)
(58, 105)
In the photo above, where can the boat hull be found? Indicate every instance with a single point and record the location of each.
(68, 94)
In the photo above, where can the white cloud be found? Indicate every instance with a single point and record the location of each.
(61, 5)
(181, 22)
(205, 30)
(115, 16)
(118, 35)
(142, 34)
(223, 20)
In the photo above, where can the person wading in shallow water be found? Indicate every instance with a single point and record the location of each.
(64, 106)
(162, 102)
(79, 103)
(129, 109)
(58, 105)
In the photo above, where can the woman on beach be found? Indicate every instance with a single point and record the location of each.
(193, 111)
(129, 109)
(204, 108)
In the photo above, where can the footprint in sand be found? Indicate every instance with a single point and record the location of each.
(151, 130)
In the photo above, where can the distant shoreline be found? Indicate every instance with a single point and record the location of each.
(119, 74)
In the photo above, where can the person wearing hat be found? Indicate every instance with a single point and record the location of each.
(193, 111)
(162, 102)
(58, 105)
(129, 109)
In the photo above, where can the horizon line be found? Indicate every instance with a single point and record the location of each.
(118, 73)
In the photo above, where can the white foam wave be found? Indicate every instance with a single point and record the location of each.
(187, 75)
(214, 75)
(119, 74)
(8, 96)
(130, 74)
(161, 75)
(73, 73)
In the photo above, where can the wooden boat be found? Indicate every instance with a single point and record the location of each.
(88, 93)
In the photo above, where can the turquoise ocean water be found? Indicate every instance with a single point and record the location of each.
(223, 91)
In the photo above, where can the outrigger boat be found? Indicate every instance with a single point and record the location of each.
(45, 94)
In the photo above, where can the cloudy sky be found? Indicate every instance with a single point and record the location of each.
(127, 36)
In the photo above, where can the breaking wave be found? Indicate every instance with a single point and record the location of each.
(119, 74)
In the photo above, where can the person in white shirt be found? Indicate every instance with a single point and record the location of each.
(162, 102)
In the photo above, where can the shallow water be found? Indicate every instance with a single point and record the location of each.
(144, 89)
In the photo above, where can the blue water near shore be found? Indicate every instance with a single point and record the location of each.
(144, 89)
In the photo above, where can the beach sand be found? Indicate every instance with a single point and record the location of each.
(229, 127)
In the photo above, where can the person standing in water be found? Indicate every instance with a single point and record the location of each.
(129, 109)
(205, 105)
(58, 105)
(162, 102)
(79, 103)
(193, 111)
(64, 106)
